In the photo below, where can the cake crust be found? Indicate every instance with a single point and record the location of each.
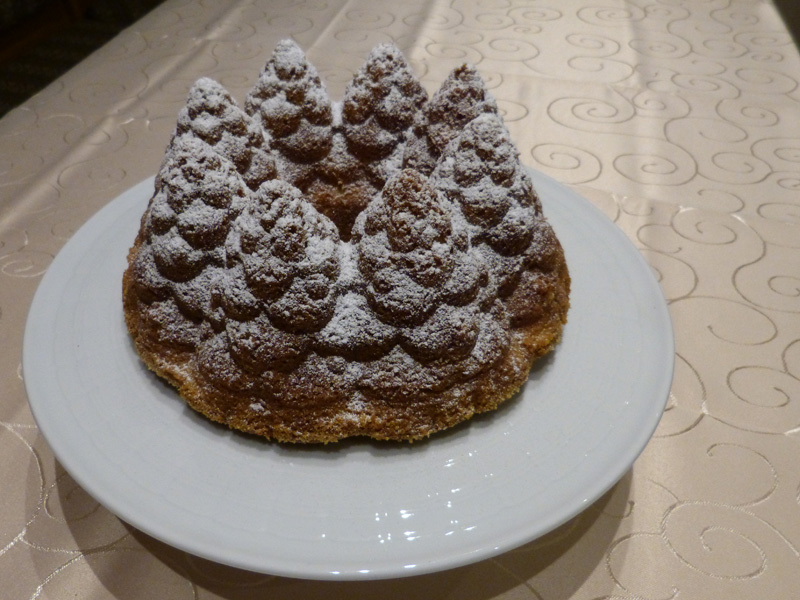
(309, 271)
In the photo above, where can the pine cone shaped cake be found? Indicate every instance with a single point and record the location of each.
(308, 270)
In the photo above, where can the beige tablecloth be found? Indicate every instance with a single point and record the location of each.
(680, 120)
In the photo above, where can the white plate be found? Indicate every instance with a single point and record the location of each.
(358, 509)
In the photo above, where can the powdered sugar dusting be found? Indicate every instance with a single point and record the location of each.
(245, 262)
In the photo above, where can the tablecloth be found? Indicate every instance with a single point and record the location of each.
(680, 120)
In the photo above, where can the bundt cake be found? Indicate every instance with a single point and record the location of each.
(309, 270)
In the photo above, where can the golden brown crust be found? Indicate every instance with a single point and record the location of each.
(381, 420)
(427, 303)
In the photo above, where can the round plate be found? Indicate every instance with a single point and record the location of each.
(358, 509)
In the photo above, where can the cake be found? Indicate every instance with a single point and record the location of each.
(309, 270)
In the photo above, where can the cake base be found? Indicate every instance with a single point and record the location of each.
(416, 416)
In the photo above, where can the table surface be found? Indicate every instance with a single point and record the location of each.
(679, 120)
